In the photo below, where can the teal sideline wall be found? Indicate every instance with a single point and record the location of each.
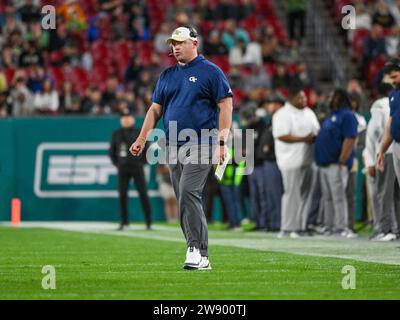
(19, 140)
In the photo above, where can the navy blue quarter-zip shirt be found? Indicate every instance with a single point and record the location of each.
(189, 94)
(394, 100)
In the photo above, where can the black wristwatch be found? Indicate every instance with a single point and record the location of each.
(221, 142)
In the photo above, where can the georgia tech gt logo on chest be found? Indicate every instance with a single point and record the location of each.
(193, 79)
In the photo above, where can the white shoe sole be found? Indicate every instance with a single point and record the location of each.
(196, 267)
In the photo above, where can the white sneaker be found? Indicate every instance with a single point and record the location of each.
(193, 258)
(351, 234)
(378, 237)
(294, 235)
(388, 237)
(204, 264)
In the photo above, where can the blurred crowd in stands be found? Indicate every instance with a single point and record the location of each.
(376, 37)
(106, 55)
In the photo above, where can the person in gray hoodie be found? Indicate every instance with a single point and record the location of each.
(384, 184)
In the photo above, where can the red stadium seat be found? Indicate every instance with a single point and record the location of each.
(373, 69)
(100, 51)
(222, 62)
(9, 73)
(358, 41)
(57, 75)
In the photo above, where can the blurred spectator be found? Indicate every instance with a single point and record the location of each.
(22, 99)
(225, 9)
(373, 47)
(302, 77)
(145, 83)
(137, 12)
(292, 52)
(12, 25)
(385, 181)
(394, 7)
(108, 6)
(281, 79)
(359, 146)
(354, 89)
(15, 41)
(132, 73)
(232, 33)
(46, 101)
(363, 20)
(205, 10)
(109, 98)
(93, 104)
(393, 42)
(117, 27)
(87, 61)
(93, 31)
(382, 15)
(4, 105)
(30, 56)
(213, 45)
(242, 54)
(36, 34)
(272, 174)
(73, 15)
(36, 78)
(235, 78)
(295, 127)
(296, 10)
(245, 9)
(162, 35)
(69, 99)
(29, 12)
(334, 154)
(58, 38)
(71, 54)
(230, 188)
(257, 79)
(139, 31)
(321, 104)
(250, 120)
(269, 50)
(3, 81)
(178, 8)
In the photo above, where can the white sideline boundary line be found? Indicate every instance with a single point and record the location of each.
(354, 249)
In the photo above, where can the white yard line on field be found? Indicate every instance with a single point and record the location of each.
(356, 249)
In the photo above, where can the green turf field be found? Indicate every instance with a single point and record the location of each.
(93, 261)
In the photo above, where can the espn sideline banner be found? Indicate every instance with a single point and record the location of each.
(60, 169)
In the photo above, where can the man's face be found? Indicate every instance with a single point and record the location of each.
(272, 107)
(183, 51)
(300, 100)
(127, 121)
(394, 78)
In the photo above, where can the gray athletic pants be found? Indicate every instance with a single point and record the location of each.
(334, 201)
(296, 198)
(188, 180)
(385, 219)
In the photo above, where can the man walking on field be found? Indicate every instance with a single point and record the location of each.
(190, 94)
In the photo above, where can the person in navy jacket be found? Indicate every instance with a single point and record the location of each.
(195, 95)
(334, 154)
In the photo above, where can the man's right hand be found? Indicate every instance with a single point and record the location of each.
(137, 147)
(381, 161)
